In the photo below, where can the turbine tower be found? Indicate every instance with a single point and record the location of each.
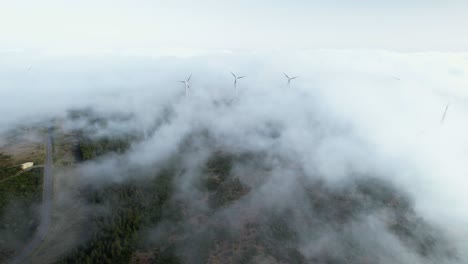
(187, 85)
(290, 78)
(235, 81)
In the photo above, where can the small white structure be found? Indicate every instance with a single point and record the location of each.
(27, 165)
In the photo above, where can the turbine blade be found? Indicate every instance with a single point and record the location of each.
(286, 75)
(234, 75)
(445, 113)
(295, 77)
(241, 77)
(189, 78)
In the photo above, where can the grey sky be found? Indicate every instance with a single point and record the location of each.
(246, 25)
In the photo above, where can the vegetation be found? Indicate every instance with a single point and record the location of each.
(26, 186)
(93, 148)
(218, 181)
(19, 198)
(65, 151)
(132, 205)
(209, 235)
(7, 168)
(227, 192)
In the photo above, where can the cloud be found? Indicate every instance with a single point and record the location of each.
(346, 114)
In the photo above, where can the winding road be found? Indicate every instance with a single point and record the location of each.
(46, 207)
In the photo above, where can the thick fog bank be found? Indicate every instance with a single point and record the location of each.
(349, 113)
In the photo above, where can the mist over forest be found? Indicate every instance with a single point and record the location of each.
(355, 161)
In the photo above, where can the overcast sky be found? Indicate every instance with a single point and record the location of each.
(411, 25)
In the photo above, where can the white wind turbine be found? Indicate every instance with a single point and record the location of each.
(235, 81)
(187, 85)
(290, 78)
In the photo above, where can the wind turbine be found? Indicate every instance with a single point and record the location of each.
(187, 85)
(445, 113)
(29, 67)
(290, 78)
(235, 81)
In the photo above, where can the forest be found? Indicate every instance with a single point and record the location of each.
(147, 218)
(131, 205)
(19, 198)
(90, 149)
(203, 235)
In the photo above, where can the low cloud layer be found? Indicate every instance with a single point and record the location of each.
(349, 112)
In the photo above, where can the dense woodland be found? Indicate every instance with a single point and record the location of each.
(202, 236)
(131, 205)
(145, 219)
(90, 149)
(19, 198)
(91, 146)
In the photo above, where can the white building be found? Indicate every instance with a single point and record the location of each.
(27, 165)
